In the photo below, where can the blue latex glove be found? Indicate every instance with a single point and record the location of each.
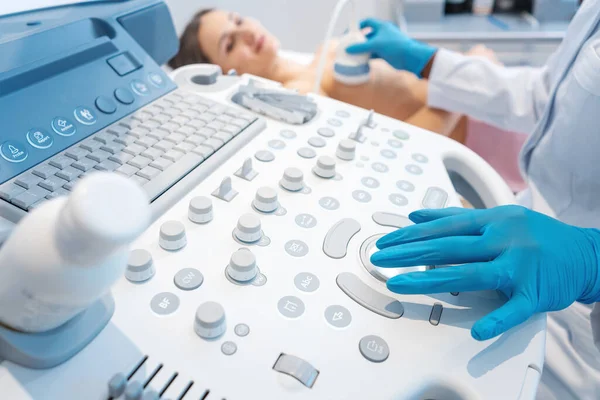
(386, 41)
(539, 263)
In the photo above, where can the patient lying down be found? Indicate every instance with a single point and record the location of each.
(243, 44)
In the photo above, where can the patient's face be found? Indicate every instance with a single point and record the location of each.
(235, 42)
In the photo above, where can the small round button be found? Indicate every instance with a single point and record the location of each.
(188, 279)
(172, 235)
(361, 196)
(338, 316)
(329, 203)
(374, 348)
(293, 179)
(306, 152)
(85, 116)
(346, 150)
(210, 320)
(63, 126)
(242, 266)
(296, 248)
(326, 132)
(248, 229)
(325, 167)
(420, 158)
(156, 79)
(241, 330)
(13, 151)
(39, 138)
(370, 182)
(342, 113)
(106, 105)
(200, 210)
(405, 186)
(288, 134)
(276, 144)
(164, 303)
(264, 156)
(291, 306)
(380, 167)
(266, 200)
(228, 348)
(395, 143)
(140, 88)
(140, 267)
(306, 282)
(398, 199)
(317, 141)
(401, 135)
(387, 153)
(414, 169)
(306, 221)
(334, 122)
(124, 96)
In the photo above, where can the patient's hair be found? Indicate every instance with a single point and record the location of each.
(189, 47)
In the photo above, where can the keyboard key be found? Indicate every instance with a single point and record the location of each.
(158, 134)
(104, 137)
(218, 109)
(172, 112)
(9, 190)
(76, 153)
(234, 130)
(53, 183)
(99, 155)
(69, 174)
(121, 158)
(150, 125)
(134, 149)
(85, 164)
(138, 132)
(153, 109)
(224, 119)
(36, 204)
(107, 165)
(122, 128)
(142, 116)
(206, 117)
(185, 147)
(213, 143)
(91, 145)
(191, 113)
(127, 170)
(45, 171)
(25, 200)
(182, 105)
(28, 180)
(57, 193)
(180, 120)
(203, 151)
(161, 163)
(113, 147)
(139, 161)
(186, 130)
(240, 123)
(146, 141)
(196, 140)
(127, 122)
(126, 140)
(148, 172)
(152, 153)
(139, 180)
(61, 162)
(161, 118)
(70, 185)
(176, 138)
(173, 155)
(216, 125)
(224, 136)
(196, 124)
(208, 132)
(164, 145)
(169, 127)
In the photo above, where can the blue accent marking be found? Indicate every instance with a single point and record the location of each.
(85, 115)
(63, 126)
(156, 79)
(39, 138)
(106, 105)
(140, 87)
(358, 70)
(13, 151)
(500, 24)
(124, 96)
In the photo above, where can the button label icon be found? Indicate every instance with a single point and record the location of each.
(156, 79)
(13, 151)
(290, 306)
(63, 126)
(306, 282)
(39, 138)
(338, 316)
(85, 116)
(296, 248)
(140, 87)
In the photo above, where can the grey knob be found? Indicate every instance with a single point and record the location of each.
(266, 200)
(140, 267)
(210, 320)
(134, 390)
(293, 179)
(248, 228)
(325, 167)
(172, 235)
(242, 266)
(346, 150)
(200, 210)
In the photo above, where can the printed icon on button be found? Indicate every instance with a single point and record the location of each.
(85, 113)
(373, 346)
(338, 316)
(188, 278)
(13, 150)
(62, 123)
(164, 303)
(307, 281)
(296, 248)
(290, 306)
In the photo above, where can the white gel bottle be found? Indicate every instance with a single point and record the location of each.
(66, 254)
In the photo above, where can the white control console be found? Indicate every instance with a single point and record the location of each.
(257, 283)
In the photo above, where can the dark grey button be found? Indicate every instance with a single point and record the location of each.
(241, 330)
(306, 152)
(329, 203)
(420, 158)
(361, 196)
(326, 132)
(134, 390)
(374, 348)
(370, 182)
(395, 143)
(401, 135)
(342, 113)
(172, 235)
(317, 141)
(436, 314)
(337, 239)
(296, 248)
(306, 221)
(435, 198)
(306, 282)
(389, 154)
(164, 303)
(389, 219)
(380, 167)
(188, 279)
(228, 348)
(288, 134)
(368, 297)
(338, 316)
(264, 156)
(297, 368)
(334, 122)
(139, 266)
(276, 144)
(290, 306)
(398, 199)
(414, 169)
(405, 186)
(117, 385)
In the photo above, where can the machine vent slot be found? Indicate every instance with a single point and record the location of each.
(164, 389)
(138, 366)
(205, 395)
(152, 375)
(187, 389)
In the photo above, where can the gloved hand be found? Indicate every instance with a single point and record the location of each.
(386, 41)
(539, 263)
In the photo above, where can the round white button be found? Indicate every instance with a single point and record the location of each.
(293, 179)
(346, 150)
(248, 228)
(325, 167)
(200, 210)
(172, 235)
(242, 266)
(266, 200)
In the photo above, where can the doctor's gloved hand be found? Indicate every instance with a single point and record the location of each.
(539, 263)
(386, 41)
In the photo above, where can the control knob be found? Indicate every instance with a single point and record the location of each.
(346, 150)
(242, 266)
(210, 320)
(293, 180)
(325, 167)
(248, 229)
(266, 200)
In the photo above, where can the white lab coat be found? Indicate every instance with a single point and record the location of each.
(559, 107)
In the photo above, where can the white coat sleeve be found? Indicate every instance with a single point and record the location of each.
(510, 98)
(595, 319)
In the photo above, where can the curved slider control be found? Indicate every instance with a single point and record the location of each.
(368, 297)
(336, 241)
(297, 368)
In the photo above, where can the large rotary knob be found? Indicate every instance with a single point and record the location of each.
(248, 229)
(242, 266)
(346, 150)
(325, 167)
(210, 320)
(266, 200)
(293, 180)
